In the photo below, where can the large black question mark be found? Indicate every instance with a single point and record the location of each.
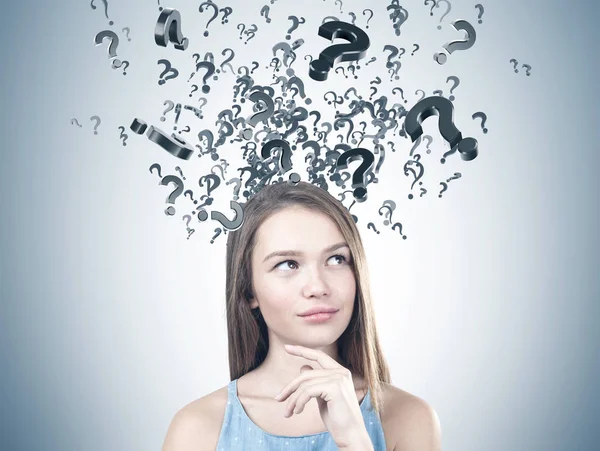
(445, 110)
(285, 159)
(356, 50)
(358, 177)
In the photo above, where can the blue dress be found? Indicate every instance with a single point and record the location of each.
(239, 433)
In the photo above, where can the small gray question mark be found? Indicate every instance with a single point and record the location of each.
(97, 124)
(483, 117)
(480, 8)
(123, 135)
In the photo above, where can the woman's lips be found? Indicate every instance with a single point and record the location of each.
(319, 317)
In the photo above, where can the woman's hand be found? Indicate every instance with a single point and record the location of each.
(333, 388)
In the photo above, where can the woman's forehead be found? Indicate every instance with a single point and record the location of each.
(306, 230)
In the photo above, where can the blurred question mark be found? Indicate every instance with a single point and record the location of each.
(454, 85)
(157, 166)
(480, 7)
(370, 17)
(178, 169)
(168, 68)
(439, 27)
(105, 9)
(372, 226)
(514, 64)
(483, 117)
(295, 23)
(126, 32)
(264, 11)
(123, 135)
(169, 108)
(97, 124)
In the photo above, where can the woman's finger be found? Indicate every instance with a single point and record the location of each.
(316, 355)
(318, 387)
(306, 375)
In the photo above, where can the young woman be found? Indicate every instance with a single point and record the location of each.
(298, 252)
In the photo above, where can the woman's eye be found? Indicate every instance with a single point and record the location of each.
(295, 263)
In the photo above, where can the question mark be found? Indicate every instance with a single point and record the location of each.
(167, 110)
(178, 169)
(114, 41)
(401, 92)
(369, 227)
(445, 110)
(444, 188)
(514, 64)
(446, 13)
(126, 32)
(105, 9)
(251, 30)
(117, 63)
(97, 124)
(189, 191)
(227, 11)
(433, 6)
(210, 69)
(170, 211)
(358, 177)
(216, 13)
(262, 115)
(400, 229)
(452, 46)
(234, 223)
(370, 17)
(483, 117)
(157, 166)
(285, 158)
(295, 23)
(480, 7)
(265, 10)
(193, 90)
(356, 50)
(168, 28)
(123, 135)
(168, 68)
(527, 68)
(243, 28)
(416, 48)
(454, 85)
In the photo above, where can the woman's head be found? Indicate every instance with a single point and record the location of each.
(265, 293)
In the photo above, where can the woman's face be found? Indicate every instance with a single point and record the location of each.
(285, 286)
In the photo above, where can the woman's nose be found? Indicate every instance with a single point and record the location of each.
(316, 282)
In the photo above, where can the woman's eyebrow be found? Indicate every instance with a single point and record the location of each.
(297, 253)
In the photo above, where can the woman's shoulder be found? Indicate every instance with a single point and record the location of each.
(411, 419)
(197, 425)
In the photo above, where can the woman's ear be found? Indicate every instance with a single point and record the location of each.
(252, 302)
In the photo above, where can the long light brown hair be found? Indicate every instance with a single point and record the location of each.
(358, 346)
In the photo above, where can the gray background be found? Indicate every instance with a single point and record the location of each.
(111, 320)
